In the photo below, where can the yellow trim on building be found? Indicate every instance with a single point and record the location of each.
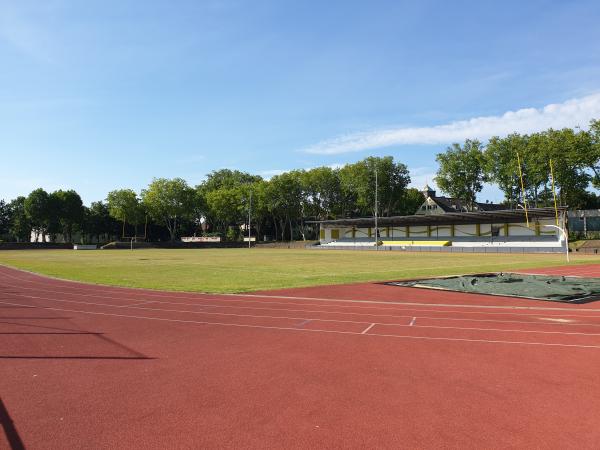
(418, 243)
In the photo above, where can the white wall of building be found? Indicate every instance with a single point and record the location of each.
(477, 232)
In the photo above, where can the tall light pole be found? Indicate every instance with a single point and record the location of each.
(376, 208)
(249, 220)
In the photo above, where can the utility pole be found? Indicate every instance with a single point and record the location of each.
(376, 207)
(249, 220)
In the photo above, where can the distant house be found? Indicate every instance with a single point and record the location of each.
(442, 205)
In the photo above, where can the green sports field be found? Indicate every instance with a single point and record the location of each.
(242, 270)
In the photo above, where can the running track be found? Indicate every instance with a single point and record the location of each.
(355, 366)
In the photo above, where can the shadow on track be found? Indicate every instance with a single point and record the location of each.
(12, 435)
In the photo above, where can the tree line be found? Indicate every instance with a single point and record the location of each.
(284, 206)
(280, 208)
(521, 165)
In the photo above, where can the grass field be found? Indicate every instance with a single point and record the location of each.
(242, 270)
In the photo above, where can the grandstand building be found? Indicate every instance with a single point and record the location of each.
(444, 224)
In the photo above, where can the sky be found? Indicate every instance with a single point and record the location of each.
(100, 95)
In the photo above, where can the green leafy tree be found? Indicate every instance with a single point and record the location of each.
(260, 205)
(99, 223)
(592, 158)
(223, 198)
(322, 192)
(358, 185)
(38, 209)
(500, 163)
(565, 147)
(284, 195)
(124, 206)
(226, 205)
(69, 211)
(461, 172)
(226, 178)
(20, 226)
(169, 202)
(5, 217)
(410, 202)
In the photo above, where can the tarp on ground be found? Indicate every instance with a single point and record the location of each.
(541, 287)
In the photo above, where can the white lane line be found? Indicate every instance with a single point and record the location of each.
(325, 311)
(253, 316)
(426, 338)
(305, 321)
(187, 311)
(301, 304)
(265, 296)
(368, 328)
(131, 305)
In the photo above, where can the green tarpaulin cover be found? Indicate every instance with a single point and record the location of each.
(541, 287)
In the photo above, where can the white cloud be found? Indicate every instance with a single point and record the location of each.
(420, 176)
(575, 112)
(19, 27)
(268, 174)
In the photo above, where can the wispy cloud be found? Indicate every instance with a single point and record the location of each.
(420, 176)
(574, 112)
(20, 30)
(268, 174)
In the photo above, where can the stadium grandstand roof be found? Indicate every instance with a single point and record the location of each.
(451, 218)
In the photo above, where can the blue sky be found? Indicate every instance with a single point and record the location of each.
(99, 95)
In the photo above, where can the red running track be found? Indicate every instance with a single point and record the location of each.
(356, 366)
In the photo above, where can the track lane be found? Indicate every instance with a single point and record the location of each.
(493, 331)
(220, 386)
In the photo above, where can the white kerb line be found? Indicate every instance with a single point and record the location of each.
(368, 328)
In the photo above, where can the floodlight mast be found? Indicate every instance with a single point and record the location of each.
(249, 218)
(376, 207)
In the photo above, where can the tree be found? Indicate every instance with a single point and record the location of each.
(223, 194)
(226, 206)
(500, 162)
(565, 147)
(322, 192)
(226, 178)
(38, 210)
(70, 211)
(99, 222)
(461, 172)
(20, 226)
(592, 158)
(5, 217)
(124, 206)
(358, 185)
(260, 205)
(410, 202)
(169, 201)
(284, 195)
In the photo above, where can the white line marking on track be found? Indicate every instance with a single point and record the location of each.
(426, 338)
(552, 319)
(132, 305)
(266, 296)
(252, 316)
(322, 311)
(368, 328)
